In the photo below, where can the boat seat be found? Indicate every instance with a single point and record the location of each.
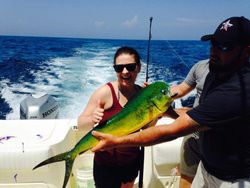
(161, 162)
(25, 143)
(166, 156)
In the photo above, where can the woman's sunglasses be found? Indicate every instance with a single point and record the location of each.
(129, 67)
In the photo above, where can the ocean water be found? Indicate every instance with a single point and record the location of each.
(71, 69)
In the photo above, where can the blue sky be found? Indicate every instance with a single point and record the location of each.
(118, 19)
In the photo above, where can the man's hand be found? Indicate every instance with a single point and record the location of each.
(106, 141)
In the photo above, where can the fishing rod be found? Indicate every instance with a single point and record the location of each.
(140, 184)
(177, 55)
(149, 39)
(174, 52)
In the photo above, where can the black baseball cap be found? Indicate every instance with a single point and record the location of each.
(231, 32)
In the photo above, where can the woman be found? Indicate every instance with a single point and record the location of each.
(114, 168)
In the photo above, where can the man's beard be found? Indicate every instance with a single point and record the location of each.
(217, 67)
(222, 71)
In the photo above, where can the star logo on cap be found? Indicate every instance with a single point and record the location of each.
(226, 25)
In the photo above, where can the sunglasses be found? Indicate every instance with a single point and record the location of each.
(129, 67)
(221, 47)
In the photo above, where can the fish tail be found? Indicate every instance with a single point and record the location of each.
(68, 169)
(60, 157)
(69, 159)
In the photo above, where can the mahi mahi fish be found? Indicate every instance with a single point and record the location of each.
(150, 103)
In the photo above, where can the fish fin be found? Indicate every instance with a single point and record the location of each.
(100, 124)
(171, 113)
(147, 125)
(174, 95)
(151, 123)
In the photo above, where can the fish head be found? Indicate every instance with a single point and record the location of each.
(160, 96)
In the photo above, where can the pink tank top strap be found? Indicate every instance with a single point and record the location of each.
(115, 100)
(115, 108)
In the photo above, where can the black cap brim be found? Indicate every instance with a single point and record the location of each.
(207, 37)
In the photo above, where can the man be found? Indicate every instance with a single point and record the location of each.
(222, 116)
(190, 153)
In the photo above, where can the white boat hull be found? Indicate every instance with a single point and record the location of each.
(25, 143)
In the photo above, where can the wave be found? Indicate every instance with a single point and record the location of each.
(71, 69)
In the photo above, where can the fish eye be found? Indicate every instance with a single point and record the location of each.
(164, 92)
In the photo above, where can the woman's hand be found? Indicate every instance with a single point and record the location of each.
(145, 84)
(98, 113)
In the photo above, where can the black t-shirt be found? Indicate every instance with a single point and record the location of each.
(225, 108)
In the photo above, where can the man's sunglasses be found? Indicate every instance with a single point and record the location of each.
(129, 67)
(221, 47)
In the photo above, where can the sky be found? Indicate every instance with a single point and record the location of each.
(117, 19)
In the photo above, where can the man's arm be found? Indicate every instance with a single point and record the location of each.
(181, 89)
(183, 125)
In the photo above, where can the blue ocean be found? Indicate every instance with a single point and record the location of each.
(70, 69)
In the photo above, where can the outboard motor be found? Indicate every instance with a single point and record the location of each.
(39, 107)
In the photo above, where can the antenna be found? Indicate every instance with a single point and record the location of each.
(149, 39)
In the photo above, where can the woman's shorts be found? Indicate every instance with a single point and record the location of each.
(107, 177)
